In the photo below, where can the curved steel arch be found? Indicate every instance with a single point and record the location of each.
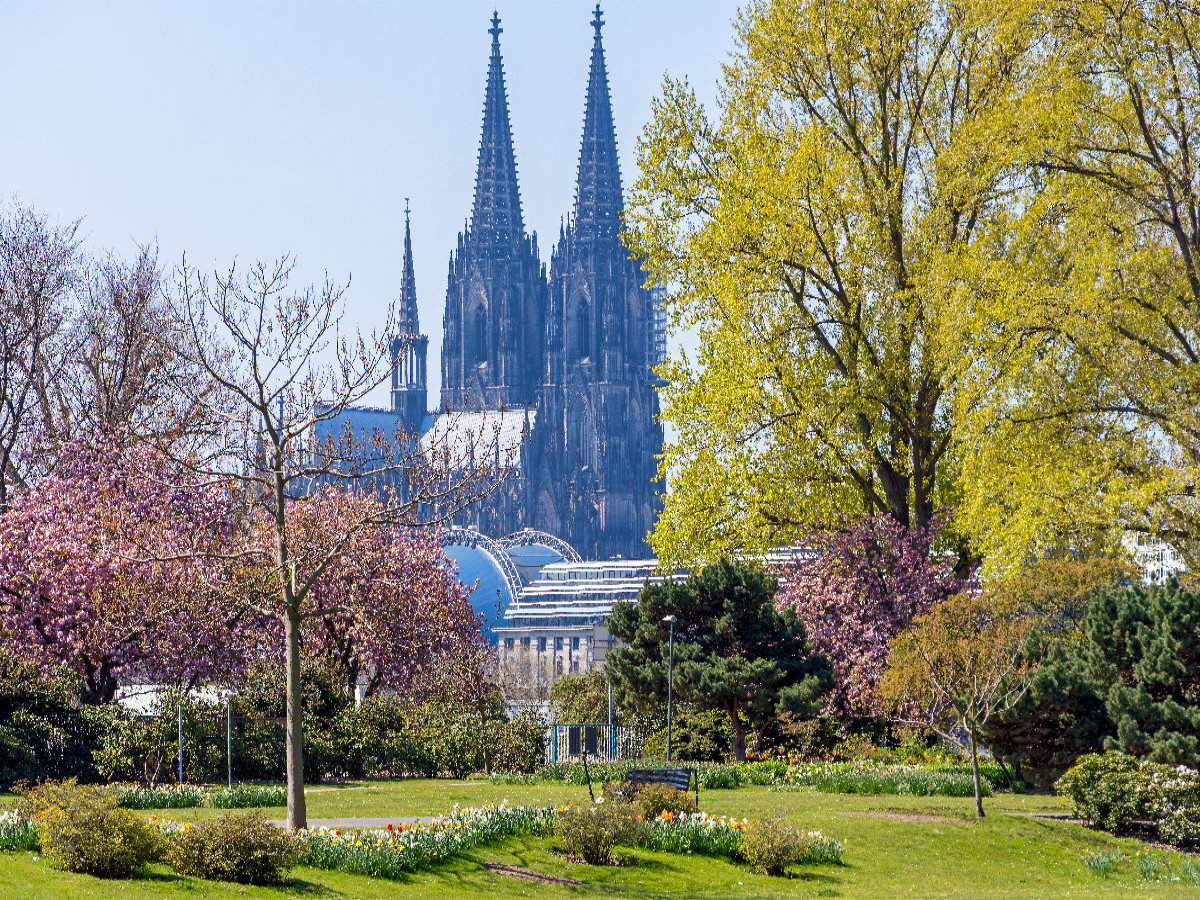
(466, 537)
(528, 537)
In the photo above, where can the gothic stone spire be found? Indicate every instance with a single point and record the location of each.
(410, 348)
(598, 201)
(408, 283)
(496, 222)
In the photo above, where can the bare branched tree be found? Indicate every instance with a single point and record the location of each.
(39, 265)
(283, 374)
(526, 676)
(127, 375)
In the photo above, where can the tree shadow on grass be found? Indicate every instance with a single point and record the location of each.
(814, 878)
(289, 886)
(294, 886)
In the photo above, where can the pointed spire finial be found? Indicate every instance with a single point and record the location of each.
(598, 199)
(496, 221)
(408, 281)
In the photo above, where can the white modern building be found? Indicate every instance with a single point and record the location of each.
(1157, 559)
(558, 622)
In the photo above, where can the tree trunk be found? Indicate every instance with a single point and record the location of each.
(297, 816)
(739, 733)
(975, 772)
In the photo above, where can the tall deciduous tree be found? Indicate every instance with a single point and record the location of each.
(110, 566)
(282, 373)
(125, 372)
(1092, 338)
(39, 265)
(734, 651)
(856, 588)
(861, 155)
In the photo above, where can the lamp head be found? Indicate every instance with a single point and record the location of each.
(668, 619)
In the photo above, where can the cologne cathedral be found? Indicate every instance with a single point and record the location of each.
(556, 360)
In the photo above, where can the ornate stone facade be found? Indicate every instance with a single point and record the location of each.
(570, 349)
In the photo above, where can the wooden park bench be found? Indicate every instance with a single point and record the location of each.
(676, 778)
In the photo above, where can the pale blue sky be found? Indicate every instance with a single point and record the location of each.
(250, 129)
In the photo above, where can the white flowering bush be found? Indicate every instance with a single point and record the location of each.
(1114, 791)
(1172, 799)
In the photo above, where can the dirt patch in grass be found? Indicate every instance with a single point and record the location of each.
(528, 875)
(904, 817)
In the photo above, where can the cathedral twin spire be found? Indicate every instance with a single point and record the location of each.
(598, 201)
(496, 222)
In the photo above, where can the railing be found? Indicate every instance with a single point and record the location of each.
(601, 741)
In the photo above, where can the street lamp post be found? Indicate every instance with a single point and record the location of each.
(670, 620)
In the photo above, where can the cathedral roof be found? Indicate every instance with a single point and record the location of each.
(482, 438)
(496, 222)
(598, 202)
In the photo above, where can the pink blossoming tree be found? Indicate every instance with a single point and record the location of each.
(110, 566)
(858, 586)
(385, 606)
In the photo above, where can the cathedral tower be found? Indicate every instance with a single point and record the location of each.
(496, 287)
(598, 401)
(410, 348)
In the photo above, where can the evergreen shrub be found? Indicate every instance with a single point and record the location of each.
(241, 847)
(81, 829)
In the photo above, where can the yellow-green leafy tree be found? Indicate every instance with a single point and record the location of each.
(813, 233)
(1086, 387)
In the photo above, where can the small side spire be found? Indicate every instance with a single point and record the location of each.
(496, 221)
(598, 200)
(408, 282)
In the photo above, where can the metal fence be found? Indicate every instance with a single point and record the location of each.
(600, 741)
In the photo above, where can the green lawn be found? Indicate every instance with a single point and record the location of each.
(918, 847)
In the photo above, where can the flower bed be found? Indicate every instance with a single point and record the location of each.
(860, 778)
(720, 836)
(713, 776)
(695, 833)
(878, 771)
(390, 852)
(246, 796)
(17, 833)
(167, 796)
(173, 796)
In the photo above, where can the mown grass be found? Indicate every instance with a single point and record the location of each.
(922, 847)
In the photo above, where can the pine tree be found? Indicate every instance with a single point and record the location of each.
(734, 651)
(1142, 651)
